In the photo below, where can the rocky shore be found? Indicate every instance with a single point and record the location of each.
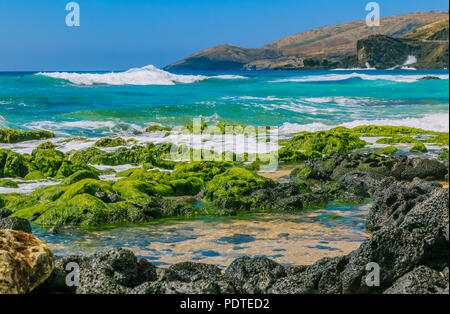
(408, 220)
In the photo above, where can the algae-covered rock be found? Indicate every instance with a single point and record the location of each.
(14, 136)
(35, 175)
(14, 165)
(419, 147)
(339, 140)
(80, 175)
(81, 210)
(157, 128)
(88, 186)
(390, 150)
(16, 201)
(108, 142)
(8, 184)
(49, 193)
(151, 154)
(25, 262)
(46, 145)
(132, 189)
(48, 161)
(227, 192)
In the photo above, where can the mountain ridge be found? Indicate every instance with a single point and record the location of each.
(324, 47)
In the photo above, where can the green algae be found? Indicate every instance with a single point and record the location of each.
(8, 184)
(14, 136)
(390, 150)
(419, 147)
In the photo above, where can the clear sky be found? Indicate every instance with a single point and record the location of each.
(119, 34)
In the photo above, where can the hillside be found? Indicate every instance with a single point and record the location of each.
(324, 47)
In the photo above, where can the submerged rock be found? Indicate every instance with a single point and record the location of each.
(25, 262)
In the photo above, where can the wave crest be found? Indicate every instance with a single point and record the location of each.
(148, 75)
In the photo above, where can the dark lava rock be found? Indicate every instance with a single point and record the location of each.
(427, 169)
(420, 239)
(403, 251)
(393, 200)
(4, 212)
(360, 183)
(254, 275)
(428, 78)
(15, 223)
(421, 280)
(321, 277)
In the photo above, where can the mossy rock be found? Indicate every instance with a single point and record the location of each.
(81, 210)
(390, 150)
(8, 184)
(398, 140)
(35, 175)
(80, 175)
(228, 188)
(132, 189)
(49, 193)
(14, 165)
(48, 161)
(419, 147)
(16, 201)
(14, 136)
(77, 138)
(377, 130)
(108, 142)
(191, 186)
(69, 168)
(28, 212)
(85, 186)
(46, 145)
(157, 128)
(339, 140)
(136, 155)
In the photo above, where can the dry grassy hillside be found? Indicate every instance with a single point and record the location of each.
(336, 44)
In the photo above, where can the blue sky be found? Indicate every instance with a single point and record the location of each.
(119, 34)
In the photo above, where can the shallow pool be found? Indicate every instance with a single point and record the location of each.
(288, 238)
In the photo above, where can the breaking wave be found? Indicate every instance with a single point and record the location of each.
(148, 75)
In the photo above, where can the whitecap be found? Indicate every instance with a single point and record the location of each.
(147, 75)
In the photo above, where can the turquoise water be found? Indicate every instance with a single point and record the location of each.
(102, 104)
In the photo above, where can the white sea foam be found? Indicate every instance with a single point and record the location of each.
(28, 186)
(366, 77)
(148, 75)
(432, 122)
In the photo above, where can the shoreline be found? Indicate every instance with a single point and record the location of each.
(313, 175)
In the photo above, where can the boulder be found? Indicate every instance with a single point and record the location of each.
(421, 280)
(393, 200)
(25, 262)
(15, 223)
(254, 275)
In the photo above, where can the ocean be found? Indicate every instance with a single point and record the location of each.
(125, 103)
